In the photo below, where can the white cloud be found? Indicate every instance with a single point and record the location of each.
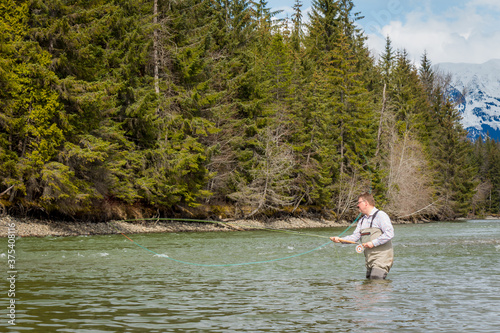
(489, 3)
(286, 11)
(468, 34)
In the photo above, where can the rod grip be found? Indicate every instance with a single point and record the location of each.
(346, 241)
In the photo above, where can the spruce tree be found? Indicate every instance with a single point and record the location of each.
(34, 124)
(426, 74)
(297, 30)
(340, 111)
(493, 151)
(322, 27)
(451, 151)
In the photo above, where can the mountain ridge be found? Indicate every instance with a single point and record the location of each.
(476, 90)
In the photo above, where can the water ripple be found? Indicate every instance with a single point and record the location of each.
(444, 278)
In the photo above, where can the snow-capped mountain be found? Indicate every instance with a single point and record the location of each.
(476, 87)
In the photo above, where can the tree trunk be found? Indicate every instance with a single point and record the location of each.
(155, 47)
(379, 135)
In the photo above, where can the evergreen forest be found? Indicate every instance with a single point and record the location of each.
(213, 108)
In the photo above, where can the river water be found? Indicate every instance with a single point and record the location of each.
(446, 278)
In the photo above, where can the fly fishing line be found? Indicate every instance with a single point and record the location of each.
(234, 264)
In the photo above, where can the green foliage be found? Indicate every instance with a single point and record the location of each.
(486, 157)
(198, 101)
(451, 153)
(62, 191)
(33, 119)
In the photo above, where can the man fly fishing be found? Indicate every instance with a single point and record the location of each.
(375, 231)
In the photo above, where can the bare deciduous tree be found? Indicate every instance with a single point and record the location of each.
(271, 185)
(481, 197)
(348, 188)
(409, 180)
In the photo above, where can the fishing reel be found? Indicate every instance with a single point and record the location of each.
(360, 248)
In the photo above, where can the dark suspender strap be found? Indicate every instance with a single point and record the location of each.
(364, 217)
(360, 222)
(373, 218)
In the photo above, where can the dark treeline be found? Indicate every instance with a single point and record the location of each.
(114, 109)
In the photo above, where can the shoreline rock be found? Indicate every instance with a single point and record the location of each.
(28, 227)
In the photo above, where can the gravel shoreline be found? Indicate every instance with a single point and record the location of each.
(27, 227)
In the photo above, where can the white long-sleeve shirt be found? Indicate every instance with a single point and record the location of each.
(381, 221)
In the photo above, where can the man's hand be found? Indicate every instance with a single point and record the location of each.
(335, 239)
(368, 245)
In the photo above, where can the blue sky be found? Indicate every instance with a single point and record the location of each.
(455, 31)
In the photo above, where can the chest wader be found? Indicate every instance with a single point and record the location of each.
(378, 260)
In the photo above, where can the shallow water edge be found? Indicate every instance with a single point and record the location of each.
(28, 227)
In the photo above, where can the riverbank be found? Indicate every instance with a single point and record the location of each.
(28, 227)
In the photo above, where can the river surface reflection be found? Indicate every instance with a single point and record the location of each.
(446, 277)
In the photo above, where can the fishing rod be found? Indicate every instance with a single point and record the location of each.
(359, 248)
(250, 227)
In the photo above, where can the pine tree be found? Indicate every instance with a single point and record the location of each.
(340, 112)
(322, 27)
(493, 151)
(426, 74)
(115, 105)
(297, 30)
(407, 94)
(451, 152)
(100, 52)
(386, 61)
(487, 161)
(262, 146)
(406, 172)
(175, 169)
(33, 120)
